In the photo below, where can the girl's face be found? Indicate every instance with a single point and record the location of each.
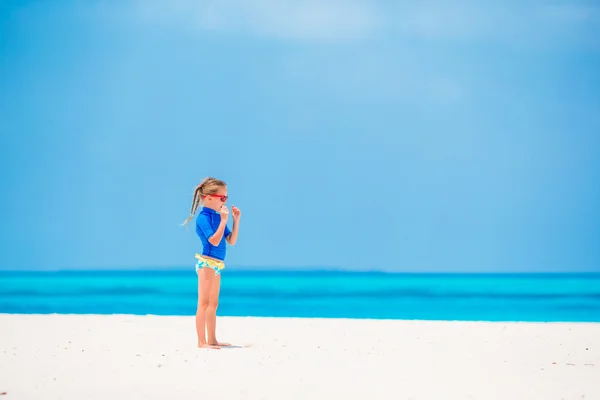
(217, 200)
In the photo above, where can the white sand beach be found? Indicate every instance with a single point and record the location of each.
(76, 357)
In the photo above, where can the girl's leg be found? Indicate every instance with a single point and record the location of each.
(206, 277)
(211, 312)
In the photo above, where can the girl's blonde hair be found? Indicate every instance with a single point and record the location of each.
(207, 187)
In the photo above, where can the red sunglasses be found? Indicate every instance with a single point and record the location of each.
(220, 196)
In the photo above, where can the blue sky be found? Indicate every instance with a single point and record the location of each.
(399, 136)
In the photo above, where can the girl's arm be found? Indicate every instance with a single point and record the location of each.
(232, 238)
(216, 238)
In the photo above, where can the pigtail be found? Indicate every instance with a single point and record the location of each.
(195, 203)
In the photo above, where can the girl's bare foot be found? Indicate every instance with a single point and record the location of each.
(208, 346)
(220, 344)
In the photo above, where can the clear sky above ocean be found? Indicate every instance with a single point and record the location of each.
(439, 136)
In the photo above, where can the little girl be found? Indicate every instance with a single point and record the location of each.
(211, 227)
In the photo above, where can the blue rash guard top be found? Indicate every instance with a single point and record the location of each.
(207, 224)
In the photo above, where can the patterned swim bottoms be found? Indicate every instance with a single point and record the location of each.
(205, 262)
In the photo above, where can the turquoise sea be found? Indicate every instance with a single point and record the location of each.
(501, 297)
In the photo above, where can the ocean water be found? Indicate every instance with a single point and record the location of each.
(469, 297)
